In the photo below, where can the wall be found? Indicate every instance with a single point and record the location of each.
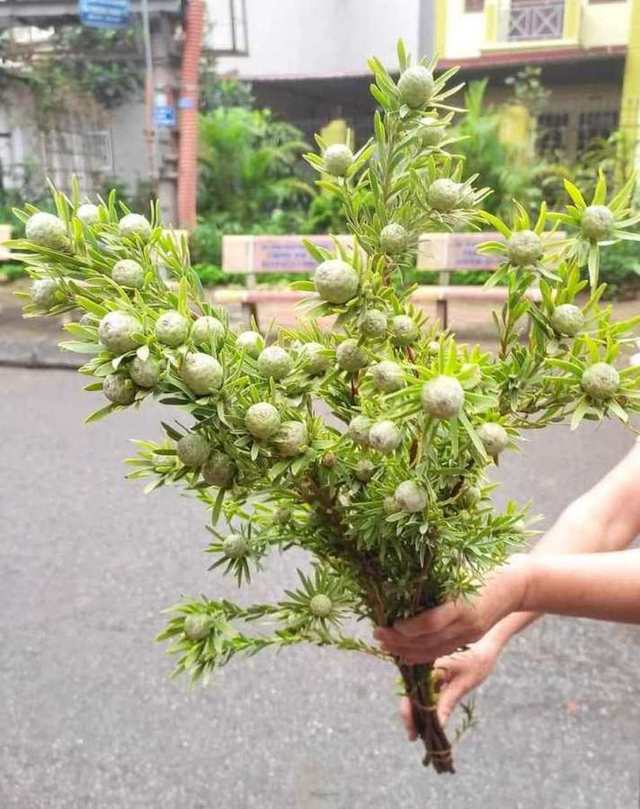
(128, 140)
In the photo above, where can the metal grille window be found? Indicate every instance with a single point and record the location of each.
(534, 19)
(594, 126)
(553, 131)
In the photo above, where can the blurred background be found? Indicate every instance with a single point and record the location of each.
(209, 106)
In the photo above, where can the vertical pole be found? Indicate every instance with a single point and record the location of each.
(149, 90)
(630, 106)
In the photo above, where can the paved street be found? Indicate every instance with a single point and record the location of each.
(90, 720)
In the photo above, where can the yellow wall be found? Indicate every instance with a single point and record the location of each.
(468, 35)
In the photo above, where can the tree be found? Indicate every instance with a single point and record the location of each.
(367, 445)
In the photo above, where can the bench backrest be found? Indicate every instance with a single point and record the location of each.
(437, 252)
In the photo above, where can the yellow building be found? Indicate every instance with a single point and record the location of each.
(581, 46)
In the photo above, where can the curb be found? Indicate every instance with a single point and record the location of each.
(37, 354)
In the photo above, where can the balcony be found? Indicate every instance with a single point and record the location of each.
(513, 24)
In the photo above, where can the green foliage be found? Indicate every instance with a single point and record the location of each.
(387, 491)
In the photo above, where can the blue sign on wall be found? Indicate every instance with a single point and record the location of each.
(164, 115)
(105, 13)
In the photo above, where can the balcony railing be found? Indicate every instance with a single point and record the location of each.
(534, 20)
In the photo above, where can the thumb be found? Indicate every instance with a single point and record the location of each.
(453, 689)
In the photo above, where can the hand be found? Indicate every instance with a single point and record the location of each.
(459, 674)
(441, 630)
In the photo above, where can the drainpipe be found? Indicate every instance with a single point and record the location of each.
(188, 149)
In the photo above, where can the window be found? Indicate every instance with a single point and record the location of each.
(595, 125)
(473, 5)
(553, 130)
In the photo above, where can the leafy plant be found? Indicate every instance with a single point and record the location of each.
(388, 492)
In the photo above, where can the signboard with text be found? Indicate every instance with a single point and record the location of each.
(105, 13)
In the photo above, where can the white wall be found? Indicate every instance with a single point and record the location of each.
(290, 38)
(128, 140)
(605, 24)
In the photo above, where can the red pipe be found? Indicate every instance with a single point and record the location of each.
(188, 148)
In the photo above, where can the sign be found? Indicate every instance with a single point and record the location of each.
(164, 115)
(186, 103)
(257, 254)
(105, 13)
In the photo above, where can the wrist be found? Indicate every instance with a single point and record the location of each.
(521, 571)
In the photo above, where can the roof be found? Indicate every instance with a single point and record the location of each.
(542, 56)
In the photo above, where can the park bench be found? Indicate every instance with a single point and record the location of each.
(443, 253)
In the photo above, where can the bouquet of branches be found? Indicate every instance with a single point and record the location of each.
(367, 444)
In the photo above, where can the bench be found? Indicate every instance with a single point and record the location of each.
(444, 253)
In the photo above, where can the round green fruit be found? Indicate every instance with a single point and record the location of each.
(567, 319)
(145, 373)
(338, 159)
(597, 223)
(494, 438)
(404, 330)
(172, 328)
(600, 381)
(442, 397)
(336, 281)
(321, 605)
(201, 373)
(88, 214)
(205, 329)
(275, 363)
(444, 195)
(385, 437)
(128, 273)
(193, 450)
(44, 292)
(316, 360)
(262, 420)
(282, 515)
(524, 248)
(120, 332)
(416, 86)
(387, 376)
(134, 225)
(374, 324)
(389, 505)
(119, 389)
(219, 470)
(410, 497)
(235, 546)
(47, 230)
(365, 470)
(358, 430)
(393, 239)
(350, 356)
(471, 495)
(251, 342)
(432, 131)
(197, 626)
(292, 439)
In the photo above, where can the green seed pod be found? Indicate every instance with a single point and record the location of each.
(416, 86)
(393, 239)
(410, 497)
(44, 292)
(145, 373)
(329, 460)
(385, 437)
(128, 273)
(442, 397)
(88, 214)
(292, 439)
(350, 356)
(219, 470)
(262, 420)
(470, 496)
(432, 131)
(47, 230)
(120, 332)
(119, 389)
(444, 195)
(365, 470)
(567, 319)
(251, 343)
(358, 430)
(336, 281)
(524, 248)
(235, 546)
(387, 376)
(337, 159)
(193, 450)
(201, 373)
(597, 223)
(282, 515)
(207, 328)
(389, 505)
(600, 381)
(134, 225)
(197, 626)
(274, 362)
(433, 347)
(404, 330)
(172, 328)
(316, 360)
(321, 605)
(494, 438)
(374, 324)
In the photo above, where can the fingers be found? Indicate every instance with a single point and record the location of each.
(407, 718)
(428, 622)
(422, 649)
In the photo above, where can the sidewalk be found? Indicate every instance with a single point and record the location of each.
(32, 342)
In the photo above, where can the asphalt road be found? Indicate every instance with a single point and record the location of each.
(89, 718)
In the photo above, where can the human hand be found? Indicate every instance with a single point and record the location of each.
(440, 631)
(458, 674)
